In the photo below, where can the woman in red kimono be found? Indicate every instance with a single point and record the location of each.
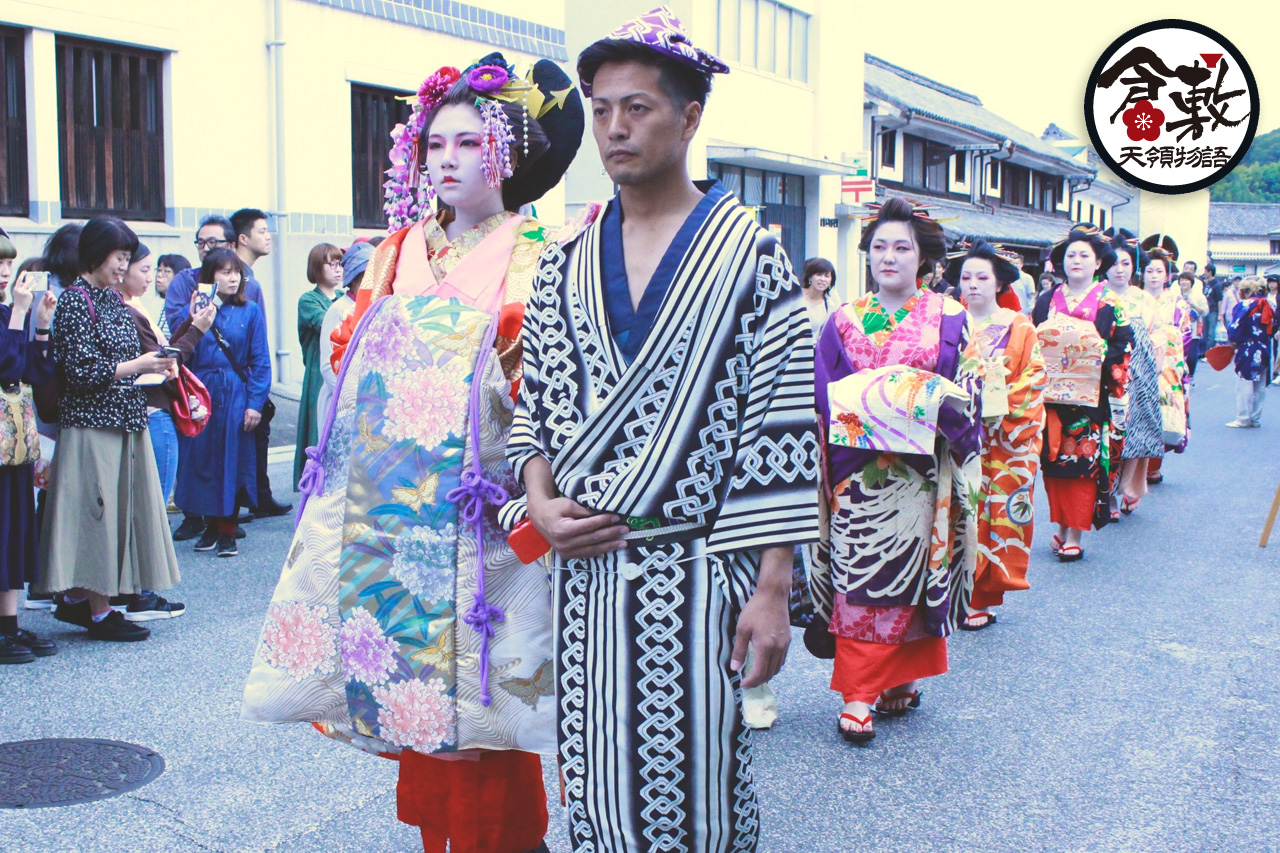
(1086, 342)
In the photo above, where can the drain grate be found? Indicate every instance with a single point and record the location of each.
(65, 771)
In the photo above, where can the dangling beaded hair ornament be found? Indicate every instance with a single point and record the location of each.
(408, 192)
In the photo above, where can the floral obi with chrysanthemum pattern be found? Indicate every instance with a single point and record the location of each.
(893, 409)
(1073, 352)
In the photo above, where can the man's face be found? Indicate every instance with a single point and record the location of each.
(258, 240)
(641, 134)
(1189, 267)
(211, 237)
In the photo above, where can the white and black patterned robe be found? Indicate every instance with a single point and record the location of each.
(702, 414)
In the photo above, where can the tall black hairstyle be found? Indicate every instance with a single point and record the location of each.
(1160, 255)
(62, 253)
(101, 236)
(243, 220)
(177, 263)
(221, 259)
(553, 140)
(814, 266)
(1084, 232)
(929, 236)
(679, 82)
(228, 230)
(1005, 271)
(1123, 240)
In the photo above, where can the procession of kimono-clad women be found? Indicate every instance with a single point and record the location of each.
(563, 472)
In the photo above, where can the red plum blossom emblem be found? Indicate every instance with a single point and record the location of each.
(1144, 122)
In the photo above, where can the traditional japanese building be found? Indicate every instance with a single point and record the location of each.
(982, 175)
(1244, 238)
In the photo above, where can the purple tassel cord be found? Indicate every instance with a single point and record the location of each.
(311, 483)
(471, 496)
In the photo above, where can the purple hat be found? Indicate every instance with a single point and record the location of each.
(662, 32)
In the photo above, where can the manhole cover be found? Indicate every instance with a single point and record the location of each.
(65, 771)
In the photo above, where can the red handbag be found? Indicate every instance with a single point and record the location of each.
(191, 404)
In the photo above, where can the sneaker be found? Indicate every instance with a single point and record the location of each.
(116, 630)
(73, 614)
(12, 651)
(227, 546)
(39, 646)
(39, 601)
(120, 602)
(270, 509)
(1238, 424)
(191, 527)
(208, 539)
(147, 607)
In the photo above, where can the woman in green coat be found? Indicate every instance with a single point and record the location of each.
(324, 270)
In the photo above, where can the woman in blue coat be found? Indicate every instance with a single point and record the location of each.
(216, 469)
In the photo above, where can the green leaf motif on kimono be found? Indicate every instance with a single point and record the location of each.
(385, 607)
(873, 476)
(918, 413)
(927, 485)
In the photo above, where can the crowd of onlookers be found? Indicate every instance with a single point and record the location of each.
(92, 371)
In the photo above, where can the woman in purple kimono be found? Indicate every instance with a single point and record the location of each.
(895, 567)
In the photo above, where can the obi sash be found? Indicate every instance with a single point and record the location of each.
(892, 409)
(1073, 351)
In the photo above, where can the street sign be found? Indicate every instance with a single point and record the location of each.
(860, 165)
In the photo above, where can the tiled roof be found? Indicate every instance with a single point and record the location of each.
(908, 90)
(1242, 219)
(1014, 227)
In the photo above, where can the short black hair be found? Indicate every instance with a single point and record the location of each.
(243, 220)
(679, 82)
(177, 263)
(1210, 268)
(62, 253)
(101, 236)
(228, 230)
(1194, 265)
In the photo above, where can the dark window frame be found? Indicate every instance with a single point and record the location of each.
(1275, 247)
(962, 167)
(889, 149)
(375, 111)
(993, 175)
(15, 197)
(1015, 186)
(110, 130)
(925, 165)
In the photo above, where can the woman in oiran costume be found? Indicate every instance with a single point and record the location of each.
(1174, 336)
(1013, 416)
(1085, 341)
(403, 622)
(893, 573)
(1143, 428)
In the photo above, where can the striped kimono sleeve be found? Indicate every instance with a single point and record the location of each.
(772, 498)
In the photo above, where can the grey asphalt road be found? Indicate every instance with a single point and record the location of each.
(1127, 702)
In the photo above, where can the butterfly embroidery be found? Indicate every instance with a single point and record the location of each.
(530, 690)
(462, 342)
(414, 498)
(362, 727)
(372, 443)
(437, 653)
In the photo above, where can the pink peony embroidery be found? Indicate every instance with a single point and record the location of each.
(299, 640)
(416, 714)
(367, 654)
(428, 404)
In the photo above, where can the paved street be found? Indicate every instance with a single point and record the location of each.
(1128, 702)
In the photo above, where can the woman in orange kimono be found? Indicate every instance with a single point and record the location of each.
(1013, 379)
(403, 623)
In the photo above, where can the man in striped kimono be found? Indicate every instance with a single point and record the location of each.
(665, 433)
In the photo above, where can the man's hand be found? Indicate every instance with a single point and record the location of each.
(575, 531)
(765, 622)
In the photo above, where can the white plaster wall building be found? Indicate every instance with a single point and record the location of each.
(1244, 239)
(161, 112)
(982, 175)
